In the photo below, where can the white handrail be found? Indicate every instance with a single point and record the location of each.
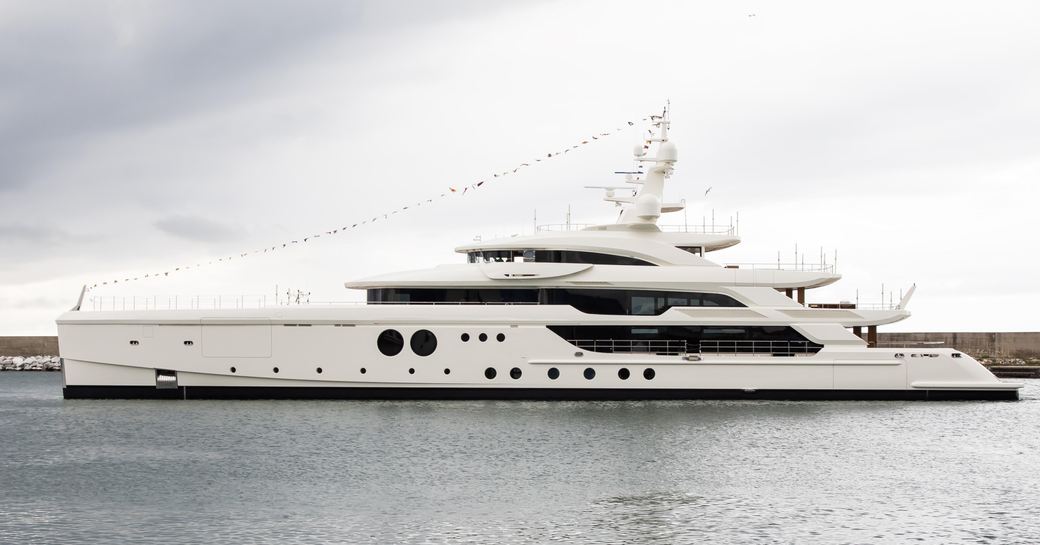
(666, 228)
(807, 267)
(174, 302)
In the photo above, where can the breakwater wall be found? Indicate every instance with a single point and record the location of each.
(1020, 345)
(28, 346)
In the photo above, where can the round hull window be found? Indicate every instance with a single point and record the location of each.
(423, 342)
(390, 342)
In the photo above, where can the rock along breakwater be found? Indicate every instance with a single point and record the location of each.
(30, 363)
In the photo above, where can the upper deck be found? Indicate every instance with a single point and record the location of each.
(647, 243)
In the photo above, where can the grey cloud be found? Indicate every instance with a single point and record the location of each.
(197, 229)
(32, 303)
(37, 233)
(95, 70)
(76, 70)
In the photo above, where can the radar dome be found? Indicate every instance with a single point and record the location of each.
(667, 152)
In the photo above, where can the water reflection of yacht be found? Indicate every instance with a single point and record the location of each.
(628, 310)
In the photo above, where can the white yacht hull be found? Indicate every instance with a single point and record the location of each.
(332, 353)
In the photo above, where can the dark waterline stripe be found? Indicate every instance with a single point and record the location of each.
(519, 394)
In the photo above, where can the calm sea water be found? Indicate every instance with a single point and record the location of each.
(512, 472)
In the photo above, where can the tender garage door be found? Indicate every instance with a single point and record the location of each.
(236, 340)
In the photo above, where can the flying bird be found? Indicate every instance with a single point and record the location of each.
(706, 191)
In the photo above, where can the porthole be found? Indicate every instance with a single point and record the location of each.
(465, 337)
(447, 371)
(411, 370)
(275, 370)
(482, 337)
(363, 370)
(553, 373)
(649, 374)
(490, 373)
(589, 373)
(515, 373)
(318, 370)
(501, 337)
(390, 342)
(232, 369)
(423, 342)
(623, 374)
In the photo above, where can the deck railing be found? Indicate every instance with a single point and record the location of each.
(557, 227)
(174, 302)
(667, 228)
(758, 347)
(649, 346)
(700, 229)
(676, 347)
(808, 267)
(911, 344)
(232, 302)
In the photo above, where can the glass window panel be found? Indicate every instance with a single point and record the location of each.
(642, 305)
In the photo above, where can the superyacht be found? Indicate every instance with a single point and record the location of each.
(626, 310)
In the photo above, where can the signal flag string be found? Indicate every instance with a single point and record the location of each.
(455, 190)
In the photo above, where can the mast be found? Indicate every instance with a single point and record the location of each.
(646, 206)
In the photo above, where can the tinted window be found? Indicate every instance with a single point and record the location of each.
(643, 305)
(672, 338)
(696, 250)
(592, 258)
(423, 342)
(452, 295)
(635, 302)
(553, 256)
(589, 301)
(390, 342)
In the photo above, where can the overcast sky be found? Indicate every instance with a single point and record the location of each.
(139, 136)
